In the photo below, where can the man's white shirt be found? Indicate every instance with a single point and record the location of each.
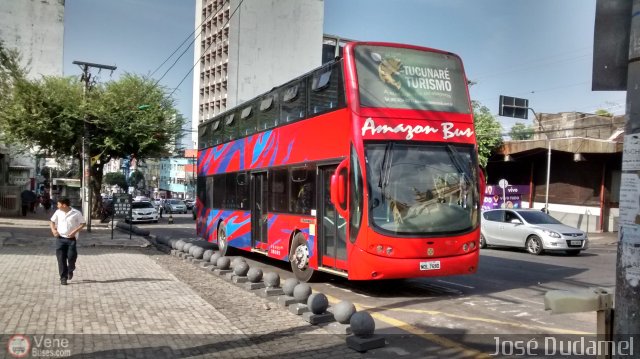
(67, 222)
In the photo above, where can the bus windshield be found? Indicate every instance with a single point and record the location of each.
(391, 77)
(422, 189)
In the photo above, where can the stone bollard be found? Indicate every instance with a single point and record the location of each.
(288, 287)
(363, 338)
(272, 283)
(239, 275)
(342, 312)
(301, 293)
(254, 275)
(206, 259)
(222, 265)
(318, 304)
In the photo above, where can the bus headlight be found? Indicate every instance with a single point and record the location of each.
(379, 248)
(465, 247)
(389, 251)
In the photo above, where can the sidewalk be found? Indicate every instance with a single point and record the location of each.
(127, 299)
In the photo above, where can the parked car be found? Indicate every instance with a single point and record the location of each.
(143, 212)
(531, 229)
(190, 203)
(175, 206)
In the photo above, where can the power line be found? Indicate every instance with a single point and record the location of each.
(205, 50)
(190, 44)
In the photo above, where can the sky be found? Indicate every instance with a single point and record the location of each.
(540, 50)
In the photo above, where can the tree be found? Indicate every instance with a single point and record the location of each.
(605, 113)
(135, 179)
(520, 131)
(488, 132)
(116, 179)
(51, 113)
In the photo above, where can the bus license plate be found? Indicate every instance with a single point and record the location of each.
(576, 243)
(432, 265)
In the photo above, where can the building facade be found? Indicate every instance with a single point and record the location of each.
(35, 28)
(247, 47)
(585, 158)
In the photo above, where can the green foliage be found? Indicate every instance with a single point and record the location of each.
(115, 179)
(488, 132)
(129, 117)
(602, 112)
(520, 131)
(136, 178)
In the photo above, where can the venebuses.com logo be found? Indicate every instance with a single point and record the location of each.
(18, 346)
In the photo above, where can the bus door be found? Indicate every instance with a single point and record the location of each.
(259, 211)
(332, 227)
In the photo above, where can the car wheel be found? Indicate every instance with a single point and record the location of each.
(573, 252)
(483, 242)
(534, 245)
(299, 258)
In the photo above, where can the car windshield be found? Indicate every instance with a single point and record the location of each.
(535, 217)
(422, 188)
(141, 205)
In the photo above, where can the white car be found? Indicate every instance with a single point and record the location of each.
(143, 212)
(531, 229)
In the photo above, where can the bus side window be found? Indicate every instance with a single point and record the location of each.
(216, 133)
(293, 102)
(230, 127)
(278, 190)
(324, 89)
(302, 190)
(268, 112)
(248, 121)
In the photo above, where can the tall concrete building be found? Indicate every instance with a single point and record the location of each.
(246, 47)
(36, 29)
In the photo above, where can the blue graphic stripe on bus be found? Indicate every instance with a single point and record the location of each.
(286, 158)
(259, 148)
(211, 220)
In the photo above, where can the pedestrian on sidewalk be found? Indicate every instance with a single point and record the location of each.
(66, 224)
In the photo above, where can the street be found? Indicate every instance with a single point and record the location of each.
(506, 295)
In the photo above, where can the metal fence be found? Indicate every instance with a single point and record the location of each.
(10, 201)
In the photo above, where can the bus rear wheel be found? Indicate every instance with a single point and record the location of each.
(223, 246)
(299, 258)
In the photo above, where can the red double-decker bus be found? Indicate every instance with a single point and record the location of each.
(365, 168)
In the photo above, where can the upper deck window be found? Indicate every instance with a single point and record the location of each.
(391, 77)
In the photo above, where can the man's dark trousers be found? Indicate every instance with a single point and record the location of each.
(67, 254)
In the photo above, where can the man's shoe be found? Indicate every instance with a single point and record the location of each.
(70, 275)
(63, 281)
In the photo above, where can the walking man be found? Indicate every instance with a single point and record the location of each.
(66, 224)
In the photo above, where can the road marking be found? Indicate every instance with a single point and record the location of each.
(543, 329)
(442, 341)
(525, 300)
(458, 284)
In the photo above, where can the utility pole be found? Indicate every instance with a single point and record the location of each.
(86, 156)
(627, 302)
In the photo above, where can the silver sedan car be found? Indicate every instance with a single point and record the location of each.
(531, 229)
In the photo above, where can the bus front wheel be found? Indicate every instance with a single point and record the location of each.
(299, 258)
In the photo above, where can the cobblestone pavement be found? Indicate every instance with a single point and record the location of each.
(138, 302)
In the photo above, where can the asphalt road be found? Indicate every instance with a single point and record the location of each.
(505, 297)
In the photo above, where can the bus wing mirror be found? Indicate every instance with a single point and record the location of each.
(339, 188)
